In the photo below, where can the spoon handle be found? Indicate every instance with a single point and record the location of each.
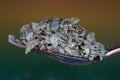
(115, 50)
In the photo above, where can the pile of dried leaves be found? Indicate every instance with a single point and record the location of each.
(59, 35)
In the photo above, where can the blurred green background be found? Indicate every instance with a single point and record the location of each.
(99, 16)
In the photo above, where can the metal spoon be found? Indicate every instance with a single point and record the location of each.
(76, 60)
(62, 57)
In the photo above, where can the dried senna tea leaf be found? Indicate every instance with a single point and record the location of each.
(62, 35)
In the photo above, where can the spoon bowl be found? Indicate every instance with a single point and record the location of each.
(65, 58)
(73, 60)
